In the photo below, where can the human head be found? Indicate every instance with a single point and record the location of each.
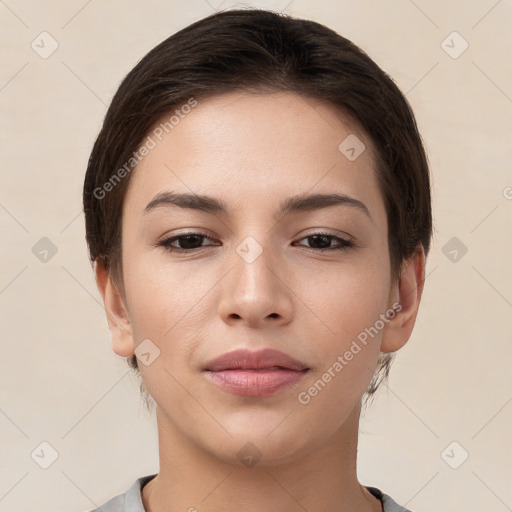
(256, 50)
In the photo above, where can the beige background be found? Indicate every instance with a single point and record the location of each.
(61, 383)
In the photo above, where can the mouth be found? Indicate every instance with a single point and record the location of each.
(255, 374)
(265, 359)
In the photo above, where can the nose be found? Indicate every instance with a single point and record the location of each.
(256, 292)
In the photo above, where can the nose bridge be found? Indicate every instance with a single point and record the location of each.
(254, 291)
(254, 275)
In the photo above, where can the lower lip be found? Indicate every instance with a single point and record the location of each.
(255, 382)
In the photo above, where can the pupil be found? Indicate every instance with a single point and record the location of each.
(186, 240)
(321, 237)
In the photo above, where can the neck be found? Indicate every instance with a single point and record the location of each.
(192, 479)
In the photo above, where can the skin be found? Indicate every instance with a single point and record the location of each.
(253, 151)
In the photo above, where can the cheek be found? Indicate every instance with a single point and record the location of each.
(170, 305)
(348, 299)
(348, 329)
(164, 293)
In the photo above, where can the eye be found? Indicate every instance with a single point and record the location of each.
(325, 239)
(187, 242)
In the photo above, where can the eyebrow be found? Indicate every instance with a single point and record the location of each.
(295, 204)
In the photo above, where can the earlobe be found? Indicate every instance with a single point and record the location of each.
(410, 289)
(117, 314)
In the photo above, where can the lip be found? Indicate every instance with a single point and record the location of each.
(243, 359)
(254, 373)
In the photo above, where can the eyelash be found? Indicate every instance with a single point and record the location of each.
(343, 243)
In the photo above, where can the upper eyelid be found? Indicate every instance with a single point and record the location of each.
(206, 235)
(187, 233)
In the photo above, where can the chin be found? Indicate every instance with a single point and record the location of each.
(261, 445)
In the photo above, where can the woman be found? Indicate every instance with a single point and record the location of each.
(258, 214)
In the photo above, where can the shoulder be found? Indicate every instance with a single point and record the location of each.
(128, 501)
(388, 503)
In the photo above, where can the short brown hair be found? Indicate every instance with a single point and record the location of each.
(260, 50)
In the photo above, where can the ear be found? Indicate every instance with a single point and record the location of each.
(407, 291)
(117, 313)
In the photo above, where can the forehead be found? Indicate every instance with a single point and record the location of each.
(255, 149)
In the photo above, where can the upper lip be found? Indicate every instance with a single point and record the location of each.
(245, 359)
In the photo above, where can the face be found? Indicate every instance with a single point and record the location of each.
(309, 282)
